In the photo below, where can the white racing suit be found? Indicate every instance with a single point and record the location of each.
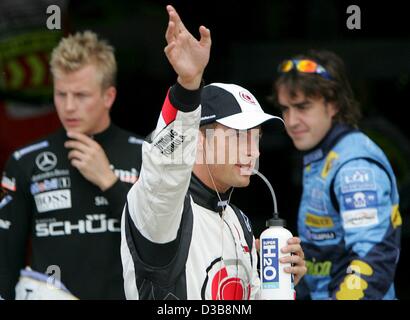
(175, 245)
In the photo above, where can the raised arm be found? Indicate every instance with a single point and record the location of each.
(187, 55)
(155, 203)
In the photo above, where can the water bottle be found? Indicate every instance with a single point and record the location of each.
(275, 283)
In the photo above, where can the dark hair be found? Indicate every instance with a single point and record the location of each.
(336, 90)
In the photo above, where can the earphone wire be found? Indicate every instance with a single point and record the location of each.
(222, 219)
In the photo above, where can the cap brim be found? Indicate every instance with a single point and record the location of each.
(246, 120)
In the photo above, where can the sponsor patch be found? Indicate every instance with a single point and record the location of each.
(318, 268)
(37, 146)
(129, 176)
(331, 157)
(226, 279)
(135, 140)
(50, 184)
(360, 200)
(357, 180)
(95, 223)
(46, 161)
(50, 174)
(396, 217)
(8, 183)
(169, 142)
(360, 218)
(316, 201)
(7, 199)
(208, 117)
(313, 156)
(53, 200)
(320, 236)
(316, 221)
(247, 96)
(100, 201)
(5, 224)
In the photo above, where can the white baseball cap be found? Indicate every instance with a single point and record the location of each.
(232, 106)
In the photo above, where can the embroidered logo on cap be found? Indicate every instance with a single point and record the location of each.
(247, 97)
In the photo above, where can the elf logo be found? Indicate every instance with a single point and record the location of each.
(270, 263)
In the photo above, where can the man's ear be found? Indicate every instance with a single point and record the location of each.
(333, 108)
(109, 96)
(201, 141)
(200, 152)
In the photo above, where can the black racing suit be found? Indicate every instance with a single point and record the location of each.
(69, 222)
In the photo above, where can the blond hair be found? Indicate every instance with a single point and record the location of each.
(81, 49)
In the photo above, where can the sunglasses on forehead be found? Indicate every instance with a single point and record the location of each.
(305, 66)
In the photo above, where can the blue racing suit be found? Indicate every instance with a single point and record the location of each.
(349, 220)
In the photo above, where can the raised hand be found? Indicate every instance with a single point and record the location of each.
(187, 55)
(90, 159)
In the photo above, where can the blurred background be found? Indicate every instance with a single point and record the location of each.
(249, 39)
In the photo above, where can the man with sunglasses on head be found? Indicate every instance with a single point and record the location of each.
(348, 221)
(181, 236)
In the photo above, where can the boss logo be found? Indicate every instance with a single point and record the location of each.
(53, 200)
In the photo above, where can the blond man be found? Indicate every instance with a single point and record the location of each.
(65, 193)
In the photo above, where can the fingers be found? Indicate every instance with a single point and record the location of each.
(82, 138)
(294, 240)
(297, 260)
(174, 17)
(296, 270)
(298, 267)
(77, 159)
(205, 36)
(75, 154)
(257, 244)
(74, 144)
(293, 248)
(170, 33)
(76, 164)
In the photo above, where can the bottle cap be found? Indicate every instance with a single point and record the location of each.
(276, 221)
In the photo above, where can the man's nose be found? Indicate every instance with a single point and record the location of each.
(253, 143)
(291, 118)
(70, 103)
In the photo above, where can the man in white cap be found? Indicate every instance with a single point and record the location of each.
(181, 238)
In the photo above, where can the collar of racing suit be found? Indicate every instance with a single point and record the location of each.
(104, 135)
(206, 197)
(337, 132)
(99, 137)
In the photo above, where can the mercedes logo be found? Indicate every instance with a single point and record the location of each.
(46, 161)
